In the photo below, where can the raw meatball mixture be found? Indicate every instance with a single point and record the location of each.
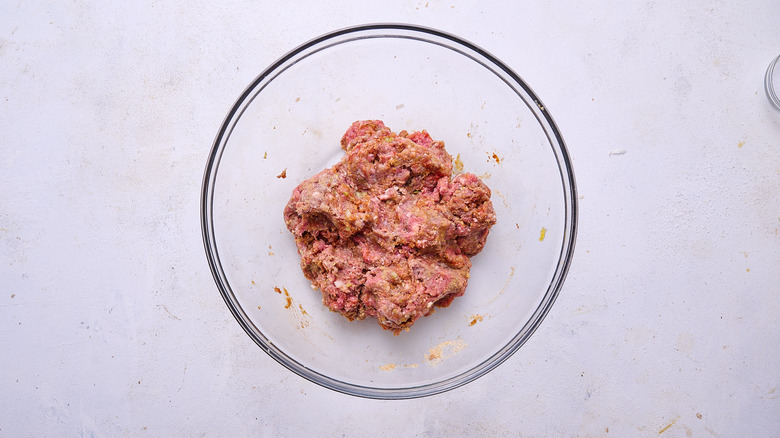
(387, 232)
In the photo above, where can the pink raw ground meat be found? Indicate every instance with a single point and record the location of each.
(387, 232)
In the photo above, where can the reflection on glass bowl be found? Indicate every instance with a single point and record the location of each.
(772, 83)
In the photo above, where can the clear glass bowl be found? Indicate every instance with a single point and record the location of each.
(286, 126)
(772, 83)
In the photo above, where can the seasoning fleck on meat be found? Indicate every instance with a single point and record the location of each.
(387, 232)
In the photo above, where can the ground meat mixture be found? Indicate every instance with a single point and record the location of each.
(387, 232)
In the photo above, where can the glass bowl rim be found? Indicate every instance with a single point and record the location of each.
(770, 86)
(465, 48)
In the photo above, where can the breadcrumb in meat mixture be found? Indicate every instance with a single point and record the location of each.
(387, 232)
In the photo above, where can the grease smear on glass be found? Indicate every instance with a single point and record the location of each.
(475, 319)
(445, 350)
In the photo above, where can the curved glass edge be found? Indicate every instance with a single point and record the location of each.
(540, 112)
(769, 86)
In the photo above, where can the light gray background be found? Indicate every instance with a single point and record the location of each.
(110, 322)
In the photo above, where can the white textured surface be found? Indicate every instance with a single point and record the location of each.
(110, 323)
